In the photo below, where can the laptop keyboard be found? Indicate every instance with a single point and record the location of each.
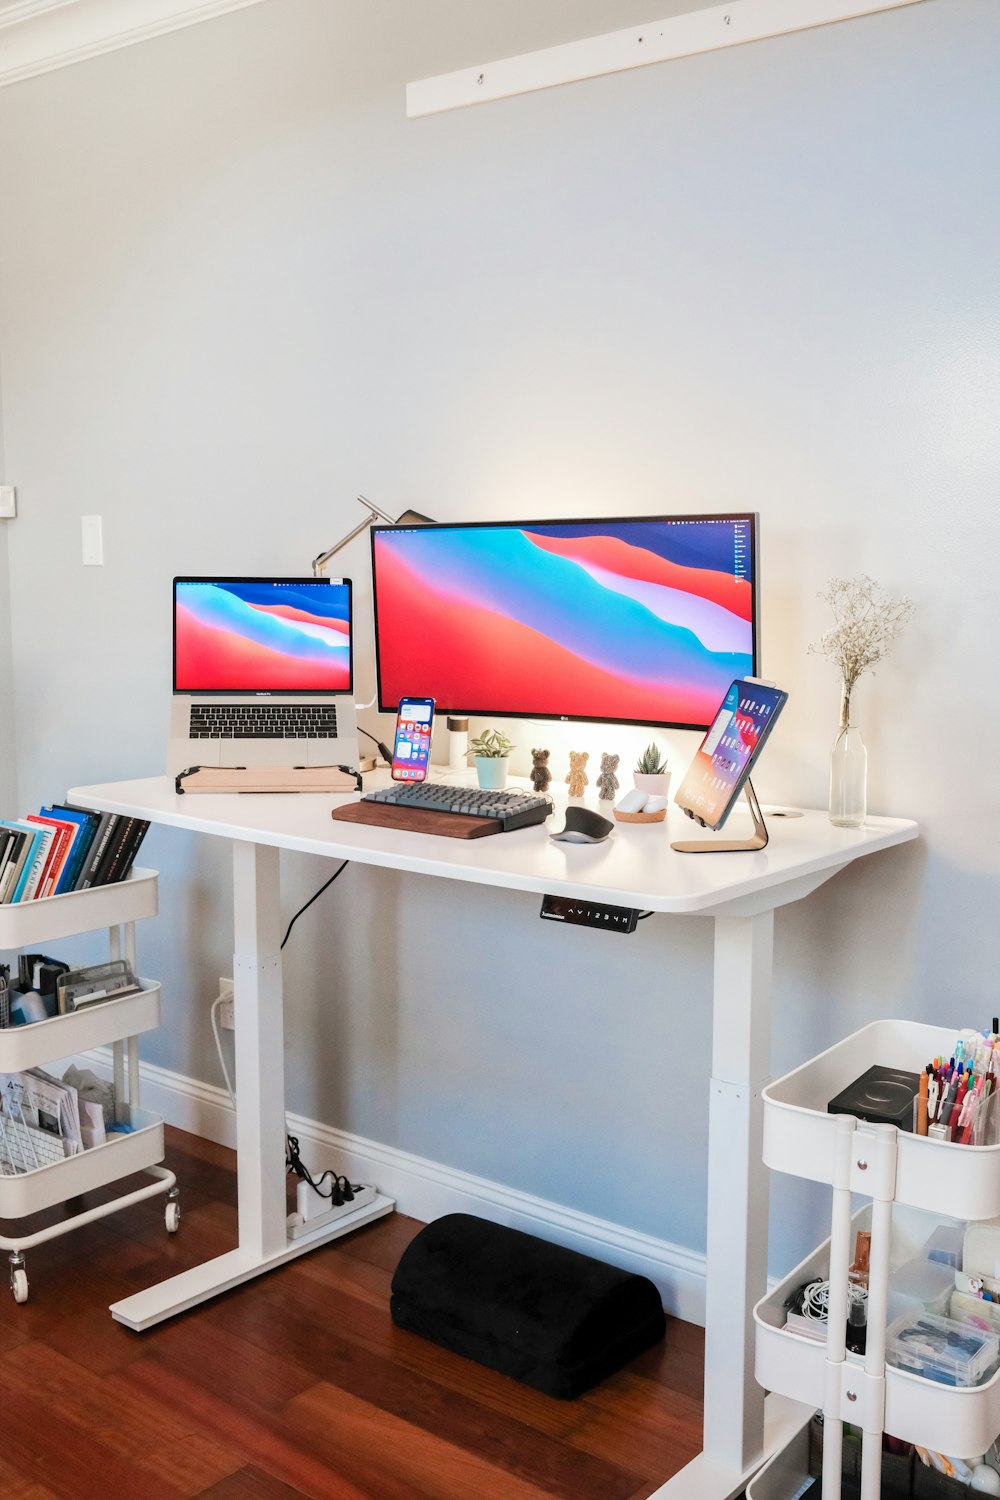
(263, 721)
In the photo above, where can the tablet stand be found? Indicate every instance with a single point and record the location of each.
(729, 846)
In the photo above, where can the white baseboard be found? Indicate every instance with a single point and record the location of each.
(427, 1189)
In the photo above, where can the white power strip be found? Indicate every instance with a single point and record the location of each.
(314, 1210)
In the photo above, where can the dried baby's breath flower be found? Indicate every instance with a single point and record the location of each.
(868, 622)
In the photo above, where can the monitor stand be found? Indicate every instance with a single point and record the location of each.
(730, 846)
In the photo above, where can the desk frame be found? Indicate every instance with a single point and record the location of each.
(741, 1429)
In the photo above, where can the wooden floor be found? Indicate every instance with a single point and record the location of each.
(297, 1384)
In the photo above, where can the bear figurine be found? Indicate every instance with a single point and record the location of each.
(577, 778)
(607, 782)
(540, 773)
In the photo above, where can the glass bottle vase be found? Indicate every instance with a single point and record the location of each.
(848, 772)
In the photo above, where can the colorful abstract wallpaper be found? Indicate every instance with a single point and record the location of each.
(267, 636)
(645, 621)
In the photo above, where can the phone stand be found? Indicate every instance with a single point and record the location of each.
(729, 846)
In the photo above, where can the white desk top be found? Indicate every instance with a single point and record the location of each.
(635, 867)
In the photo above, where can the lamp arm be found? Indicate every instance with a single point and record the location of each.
(374, 514)
(319, 563)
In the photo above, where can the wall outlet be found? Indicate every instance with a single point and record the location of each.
(227, 1018)
(8, 502)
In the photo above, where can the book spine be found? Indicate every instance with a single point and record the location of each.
(98, 850)
(6, 860)
(58, 847)
(128, 851)
(78, 855)
(112, 858)
(35, 865)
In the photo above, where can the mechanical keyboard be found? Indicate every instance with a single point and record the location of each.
(510, 809)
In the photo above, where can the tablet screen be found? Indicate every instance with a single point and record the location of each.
(726, 755)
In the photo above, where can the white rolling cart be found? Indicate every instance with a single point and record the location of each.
(120, 1022)
(888, 1167)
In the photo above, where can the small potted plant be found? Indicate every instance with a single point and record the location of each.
(651, 774)
(491, 749)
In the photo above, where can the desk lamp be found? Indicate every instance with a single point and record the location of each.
(408, 518)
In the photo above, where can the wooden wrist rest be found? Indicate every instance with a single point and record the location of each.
(416, 820)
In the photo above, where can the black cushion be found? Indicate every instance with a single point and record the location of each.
(550, 1317)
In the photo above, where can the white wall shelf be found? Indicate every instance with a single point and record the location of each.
(637, 46)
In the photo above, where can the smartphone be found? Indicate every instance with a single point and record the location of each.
(411, 751)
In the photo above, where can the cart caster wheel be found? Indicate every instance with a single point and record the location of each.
(173, 1217)
(19, 1285)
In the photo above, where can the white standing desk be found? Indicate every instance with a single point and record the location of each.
(634, 868)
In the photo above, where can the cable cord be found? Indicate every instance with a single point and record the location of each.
(214, 1017)
(339, 1191)
(217, 1002)
(383, 749)
(323, 887)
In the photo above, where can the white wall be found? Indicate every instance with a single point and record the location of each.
(8, 756)
(237, 287)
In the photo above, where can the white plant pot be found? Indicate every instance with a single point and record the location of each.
(653, 786)
(492, 771)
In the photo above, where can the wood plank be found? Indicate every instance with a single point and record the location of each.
(298, 1384)
(392, 1456)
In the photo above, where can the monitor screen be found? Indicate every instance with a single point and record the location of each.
(641, 621)
(262, 635)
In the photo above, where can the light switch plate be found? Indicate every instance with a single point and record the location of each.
(8, 502)
(93, 542)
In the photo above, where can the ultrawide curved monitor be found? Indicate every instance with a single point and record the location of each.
(637, 621)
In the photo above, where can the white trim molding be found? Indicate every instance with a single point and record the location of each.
(426, 1189)
(660, 41)
(37, 36)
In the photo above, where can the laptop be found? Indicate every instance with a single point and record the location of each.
(263, 673)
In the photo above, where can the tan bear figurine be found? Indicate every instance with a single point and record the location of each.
(577, 778)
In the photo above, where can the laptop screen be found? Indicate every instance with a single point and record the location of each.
(262, 635)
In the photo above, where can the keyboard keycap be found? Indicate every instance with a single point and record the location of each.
(510, 809)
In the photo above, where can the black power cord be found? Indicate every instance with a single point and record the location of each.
(340, 1190)
(323, 887)
(383, 749)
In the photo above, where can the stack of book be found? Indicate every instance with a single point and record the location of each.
(64, 848)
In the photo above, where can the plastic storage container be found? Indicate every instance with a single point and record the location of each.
(942, 1350)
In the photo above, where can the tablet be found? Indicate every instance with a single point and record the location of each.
(728, 752)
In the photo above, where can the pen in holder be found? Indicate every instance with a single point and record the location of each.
(970, 1118)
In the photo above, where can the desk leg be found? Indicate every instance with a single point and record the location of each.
(735, 1440)
(260, 1115)
(259, 1049)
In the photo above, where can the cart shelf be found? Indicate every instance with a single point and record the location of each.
(944, 1418)
(119, 1022)
(939, 1176)
(895, 1170)
(52, 917)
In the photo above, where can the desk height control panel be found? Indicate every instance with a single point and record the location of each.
(577, 913)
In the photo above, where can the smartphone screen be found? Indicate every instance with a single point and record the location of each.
(412, 749)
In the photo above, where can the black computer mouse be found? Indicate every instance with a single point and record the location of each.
(583, 827)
